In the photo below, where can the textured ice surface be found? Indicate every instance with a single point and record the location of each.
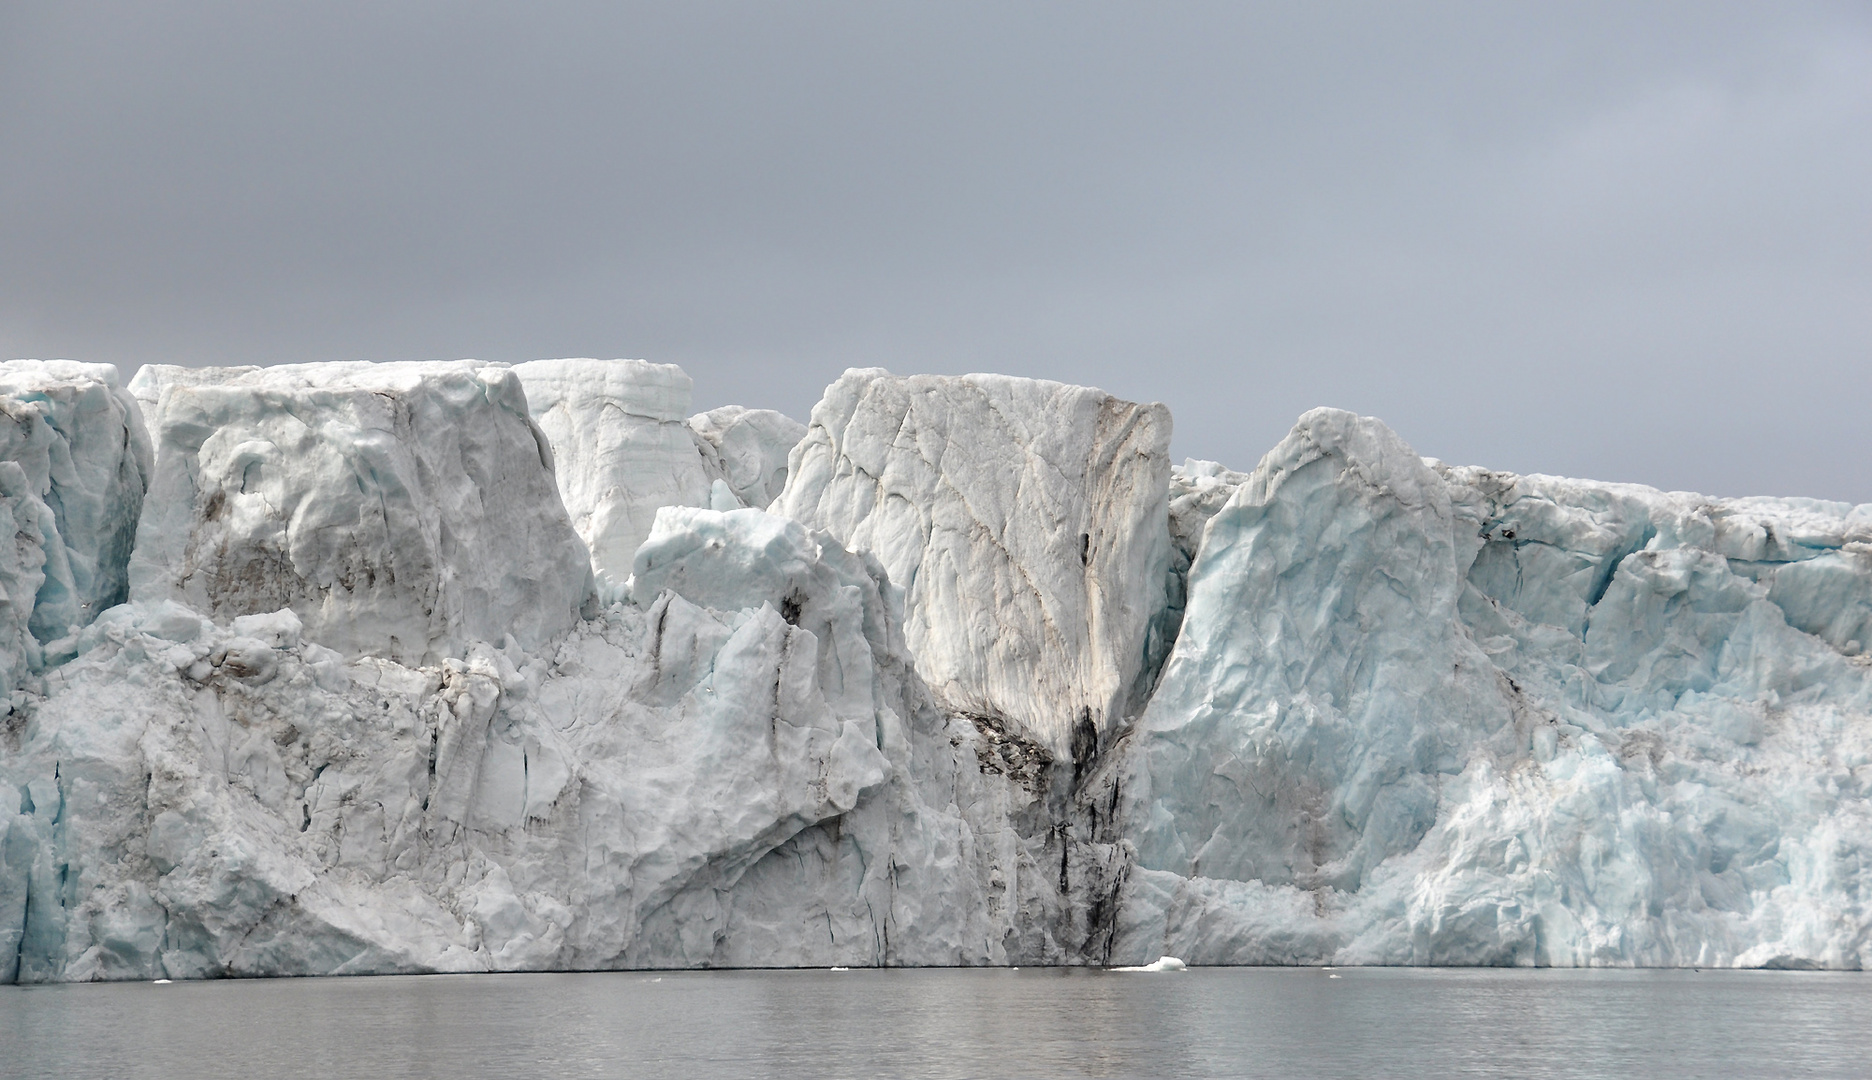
(749, 450)
(1198, 489)
(619, 433)
(402, 510)
(626, 447)
(1429, 715)
(74, 462)
(670, 785)
(200, 800)
(1414, 713)
(954, 859)
(1025, 522)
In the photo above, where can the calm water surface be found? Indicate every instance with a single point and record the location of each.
(988, 1023)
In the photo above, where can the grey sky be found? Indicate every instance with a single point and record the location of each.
(1632, 242)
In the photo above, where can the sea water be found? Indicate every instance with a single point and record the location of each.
(1215, 1022)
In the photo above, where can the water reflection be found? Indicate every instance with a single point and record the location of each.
(1044, 1023)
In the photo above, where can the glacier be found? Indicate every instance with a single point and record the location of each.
(74, 467)
(401, 510)
(1432, 715)
(629, 447)
(465, 666)
(1024, 521)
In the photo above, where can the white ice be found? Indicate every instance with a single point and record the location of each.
(364, 713)
(1162, 963)
(747, 449)
(619, 433)
(74, 462)
(1420, 714)
(1025, 522)
(402, 510)
(627, 447)
(203, 800)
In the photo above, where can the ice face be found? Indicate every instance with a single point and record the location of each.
(242, 801)
(1412, 714)
(1024, 521)
(1340, 524)
(746, 558)
(669, 785)
(623, 449)
(1429, 715)
(402, 510)
(74, 463)
(750, 449)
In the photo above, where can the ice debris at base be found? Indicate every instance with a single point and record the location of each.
(368, 709)
(1162, 963)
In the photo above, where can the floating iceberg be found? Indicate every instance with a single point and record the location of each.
(462, 667)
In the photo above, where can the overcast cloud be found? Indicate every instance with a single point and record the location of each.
(1632, 242)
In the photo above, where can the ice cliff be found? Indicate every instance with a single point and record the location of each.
(74, 463)
(1024, 521)
(464, 667)
(1430, 715)
(628, 447)
(401, 510)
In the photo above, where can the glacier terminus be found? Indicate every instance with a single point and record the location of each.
(462, 666)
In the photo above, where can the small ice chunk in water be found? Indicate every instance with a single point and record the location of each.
(1162, 963)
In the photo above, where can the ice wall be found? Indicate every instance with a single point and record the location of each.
(1025, 522)
(760, 781)
(626, 448)
(1420, 714)
(735, 764)
(1414, 713)
(619, 433)
(956, 858)
(402, 510)
(247, 803)
(748, 449)
(74, 463)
